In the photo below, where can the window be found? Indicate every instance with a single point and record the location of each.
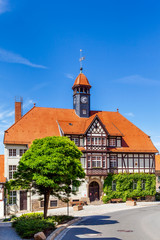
(158, 178)
(21, 151)
(96, 141)
(53, 203)
(103, 141)
(41, 203)
(76, 141)
(96, 161)
(84, 111)
(143, 185)
(134, 185)
(12, 170)
(75, 189)
(104, 161)
(113, 161)
(88, 140)
(89, 161)
(119, 144)
(12, 152)
(114, 185)
(12, 197)
(112, 142)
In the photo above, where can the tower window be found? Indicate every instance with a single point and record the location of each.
(84, 111)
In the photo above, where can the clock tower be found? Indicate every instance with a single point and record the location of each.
(81, 96)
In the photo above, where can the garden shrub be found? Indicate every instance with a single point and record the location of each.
(124, 186)
(28, 224)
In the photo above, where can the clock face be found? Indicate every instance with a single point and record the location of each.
(84, 99)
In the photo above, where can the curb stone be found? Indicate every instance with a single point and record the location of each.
(54, 234)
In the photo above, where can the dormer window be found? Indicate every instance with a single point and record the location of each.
(112, 142)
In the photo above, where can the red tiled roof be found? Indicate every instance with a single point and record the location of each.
(81, 80)
(40, 122)
(2, 178)
(157, 162)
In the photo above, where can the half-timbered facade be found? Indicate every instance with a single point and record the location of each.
(109, 142)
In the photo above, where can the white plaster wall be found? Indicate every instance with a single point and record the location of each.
(1, 209)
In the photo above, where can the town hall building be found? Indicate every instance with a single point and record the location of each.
(109, 142)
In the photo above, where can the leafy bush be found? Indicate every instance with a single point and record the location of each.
(28, 224)
(124, 186)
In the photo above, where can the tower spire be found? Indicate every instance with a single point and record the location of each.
(80, 60)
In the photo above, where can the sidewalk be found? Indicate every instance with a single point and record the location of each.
(91, 210)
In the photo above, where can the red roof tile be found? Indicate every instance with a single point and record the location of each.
(40, 122)
(2, 178)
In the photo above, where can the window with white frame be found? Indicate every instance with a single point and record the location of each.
(88, 141)
(114, 185)
(12, 152)
(89, 161)
(112, 142)
(84, 111)
(22, 151)
(96, 141)
(12, 197)
(104, 161)
(12, 170)
(76, 141)
(113, 161)
(96, 161)
(119, 144)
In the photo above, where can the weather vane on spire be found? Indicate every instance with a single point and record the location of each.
(81, 59)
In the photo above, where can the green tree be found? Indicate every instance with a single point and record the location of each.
(51, 166)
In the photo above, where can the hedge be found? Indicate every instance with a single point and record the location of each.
(124, 186)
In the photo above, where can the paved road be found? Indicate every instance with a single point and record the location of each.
(7, 232)
(138, 224)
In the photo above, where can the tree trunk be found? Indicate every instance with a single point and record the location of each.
(46, 201)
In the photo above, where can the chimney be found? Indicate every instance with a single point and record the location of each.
(18, 108)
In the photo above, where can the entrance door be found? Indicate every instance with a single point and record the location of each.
(93, 191)
(23, 200)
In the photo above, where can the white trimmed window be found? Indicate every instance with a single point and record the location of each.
(113, 161)
(12, 153)
(12, 197)
(12, 170)
(96, 161)
(96, 141)
(84, 111)
(112, 142)
(76, 141)
(21, 151)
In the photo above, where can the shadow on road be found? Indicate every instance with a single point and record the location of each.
(98, 220)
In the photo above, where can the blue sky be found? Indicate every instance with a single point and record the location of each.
(39, 57)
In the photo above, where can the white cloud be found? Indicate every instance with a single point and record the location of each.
(130, 114)
(6, 56)
(69, 75)
(137, 79)
(4, 6)
(28, 103)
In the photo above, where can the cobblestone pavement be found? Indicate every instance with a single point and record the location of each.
(7, 232)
